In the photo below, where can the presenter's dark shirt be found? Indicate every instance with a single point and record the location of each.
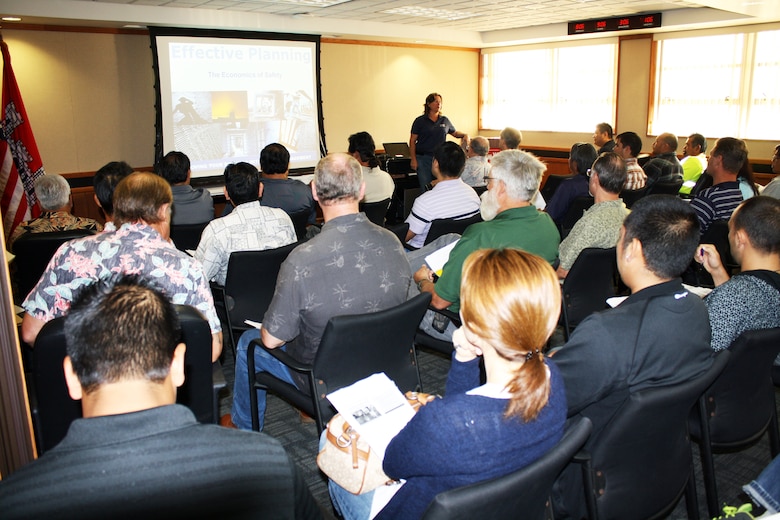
(431, 134)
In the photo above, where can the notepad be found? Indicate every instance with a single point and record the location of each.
(438, 258)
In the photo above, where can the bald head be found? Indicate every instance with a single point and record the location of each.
(338, 178)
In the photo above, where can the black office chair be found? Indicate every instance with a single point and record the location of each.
(631, 196)
(551, 184)
(400, 231)
(353, 347)
(705, 181)
(187, 236)
(574, 213)
(249, 287)
(33, 252)
(641, 463)
(671, 187)
(717, 234)
(376, 211)
(739, 407)
(522, 494)
(300, 220)
(53, 409)
(443, 226)
(586, 288)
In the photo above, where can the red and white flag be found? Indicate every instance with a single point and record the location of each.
(21, 163)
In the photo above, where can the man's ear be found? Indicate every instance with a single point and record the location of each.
(260, 191)
(362, 190)
(177, 365)
(71, 379)
(97, 201)
(163, 214)
(314, 191)
(740, 238)
(227, 197)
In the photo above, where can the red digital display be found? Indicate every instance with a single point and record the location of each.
(640, 21)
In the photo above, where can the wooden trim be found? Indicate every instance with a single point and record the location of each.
(397, 44)
(11, 26)
(651, 89)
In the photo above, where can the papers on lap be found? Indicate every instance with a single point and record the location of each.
(375, 408)
(438, 258)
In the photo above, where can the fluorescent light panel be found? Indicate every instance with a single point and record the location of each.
(430, 12)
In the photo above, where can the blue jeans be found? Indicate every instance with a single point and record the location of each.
(765, 490)
(349, 506)
(264, 362)
(424, 172)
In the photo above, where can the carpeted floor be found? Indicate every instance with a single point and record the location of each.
(300, 439)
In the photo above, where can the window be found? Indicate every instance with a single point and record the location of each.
(562, 88)
(719, 85)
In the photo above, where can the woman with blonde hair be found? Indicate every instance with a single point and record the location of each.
(510, 305)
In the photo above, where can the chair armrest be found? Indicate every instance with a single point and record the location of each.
(279, 354)
(583, 458)
(453, 316)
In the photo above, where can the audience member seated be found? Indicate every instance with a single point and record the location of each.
(751, 299)
(53, 194)
(137, 454)
(664, 165)
(601, 223)
(659, 336)
(694, 161)
(509, 139)
(602, 138)
(581, 157)
(773, 188)
(764, 491)
(511, 301)
(190, 205)
(279, 191)
(105, 182)
(449, 198)
(719, 201)
(510, 220)
(628, 145)
(249, 227)
(477, 165)
(351, 267)
(138, 245)
(379, 184)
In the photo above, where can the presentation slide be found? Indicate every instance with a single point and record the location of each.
(223, 99)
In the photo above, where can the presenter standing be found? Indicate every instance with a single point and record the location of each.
(429, 131)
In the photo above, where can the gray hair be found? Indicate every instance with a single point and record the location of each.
(480, 146)
(512, 137)
(52, 190)
(520, 171)
(337, 178)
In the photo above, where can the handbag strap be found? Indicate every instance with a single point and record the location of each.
(347, 443)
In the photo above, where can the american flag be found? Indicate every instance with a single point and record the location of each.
(21, 163)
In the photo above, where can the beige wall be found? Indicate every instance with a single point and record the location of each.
(90, 96)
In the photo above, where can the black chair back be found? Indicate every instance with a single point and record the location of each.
(300, 220)
(586, 288)
(705, 181)
(249, 286)
(631, 196)
(33, 252)
(353, 347)
(740, 405)
(574, 213)
(522, 494)
(53, 409)
(443, 226)
(551, 184)
(376, 211)
(400, 231)
(187, 236)
(641, 463)
(666, 187)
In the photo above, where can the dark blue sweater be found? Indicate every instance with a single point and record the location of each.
(463, 439)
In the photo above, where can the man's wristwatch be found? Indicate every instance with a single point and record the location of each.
(420, 284)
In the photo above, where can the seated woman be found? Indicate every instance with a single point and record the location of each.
(510, 306)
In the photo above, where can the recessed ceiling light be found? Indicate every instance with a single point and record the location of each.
(430, 12)
(11, 19)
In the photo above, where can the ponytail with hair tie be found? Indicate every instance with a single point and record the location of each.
(531, 354)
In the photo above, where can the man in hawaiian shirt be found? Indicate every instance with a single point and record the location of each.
(139, 245)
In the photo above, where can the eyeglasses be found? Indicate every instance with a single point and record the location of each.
(487, 179)
(588, 172)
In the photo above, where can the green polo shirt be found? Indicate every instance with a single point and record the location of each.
(523, 228)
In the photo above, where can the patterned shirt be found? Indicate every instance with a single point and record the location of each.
(132, 249)
(249, 227)
(663, 167)
(636, 178)
(716, 203)
(475, 171)
(450, 198)
(598, 227)
(50, 221)
(351, 267)
(746, 302)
